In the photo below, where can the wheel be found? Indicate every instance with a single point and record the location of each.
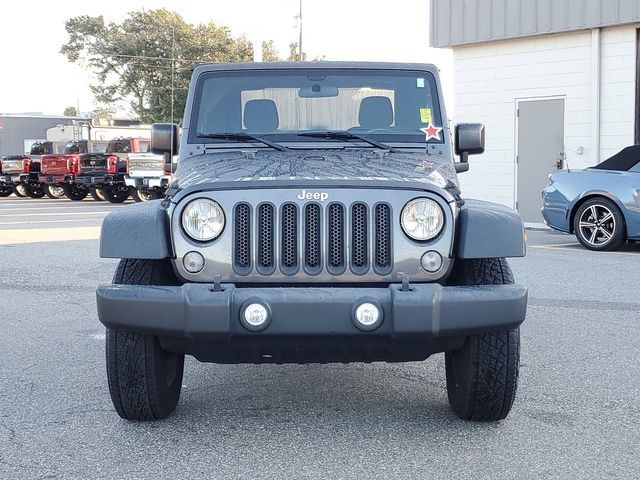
(35, 191)
(144, 195)
(54, 191)
(20, 190)
(5, 191)
(116, 193)
(482, 376)
(97, 195)
(74, 192)
(599, 225)
(144, 380)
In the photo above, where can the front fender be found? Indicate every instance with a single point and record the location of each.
(489, 230)
(138, 231)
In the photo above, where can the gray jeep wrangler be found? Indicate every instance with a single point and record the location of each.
(314, 216)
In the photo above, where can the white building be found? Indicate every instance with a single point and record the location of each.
(554, 81)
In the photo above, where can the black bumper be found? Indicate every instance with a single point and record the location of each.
(96, 180)
(196, 319)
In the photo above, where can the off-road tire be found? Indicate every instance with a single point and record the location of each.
(616, 225)
(116, 193)
(97, 195)
(75, 193)
(144, 380)
(5, 191)
(482, 376)
(140, 195)
(20, 190)
(51, 193)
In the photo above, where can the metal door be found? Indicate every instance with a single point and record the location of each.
(540, 151)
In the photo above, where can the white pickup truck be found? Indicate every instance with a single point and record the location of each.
(147, 176)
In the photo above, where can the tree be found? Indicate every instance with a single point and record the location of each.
(70, 112)
(294, 54)
(145, 61)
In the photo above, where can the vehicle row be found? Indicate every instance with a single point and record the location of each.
(125, 168)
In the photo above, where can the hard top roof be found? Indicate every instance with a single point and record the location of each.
(211, 67)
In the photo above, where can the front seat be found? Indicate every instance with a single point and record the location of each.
(261, 116)
(375, 112)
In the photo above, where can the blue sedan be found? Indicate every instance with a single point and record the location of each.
(600, 205)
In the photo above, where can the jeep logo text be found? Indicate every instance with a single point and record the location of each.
(304, 195)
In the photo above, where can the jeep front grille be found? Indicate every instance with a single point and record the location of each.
(311, 238)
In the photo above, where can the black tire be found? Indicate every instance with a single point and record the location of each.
(74, 192)
(35, 191)
(143, 195)
(607, 231)
(144, 380)
(5, 191)
(20, 190)
(482, 376)
(54, 191)
(116, 193)
(97, 195)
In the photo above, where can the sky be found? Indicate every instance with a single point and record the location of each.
(35, 77)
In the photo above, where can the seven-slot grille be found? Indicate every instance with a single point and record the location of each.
(312, 237)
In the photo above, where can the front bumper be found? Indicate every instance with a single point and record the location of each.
(146, 182)
(436, 317)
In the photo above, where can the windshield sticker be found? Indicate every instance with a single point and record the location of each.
(431, 132)
(425, 115)
(420, 82)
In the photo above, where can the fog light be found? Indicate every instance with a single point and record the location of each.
(193, 262)
(431, 261)
(367, 316)
(255, 316)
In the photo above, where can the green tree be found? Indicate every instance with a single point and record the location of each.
(70, 112)
(145, 61)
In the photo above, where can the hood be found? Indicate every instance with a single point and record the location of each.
(314, 165)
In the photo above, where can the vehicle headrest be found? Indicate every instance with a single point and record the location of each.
(261, 115)
(375, 112)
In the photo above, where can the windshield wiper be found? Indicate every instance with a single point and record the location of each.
(243, 137)
(347, 135)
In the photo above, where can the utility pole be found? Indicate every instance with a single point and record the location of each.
(300, 32)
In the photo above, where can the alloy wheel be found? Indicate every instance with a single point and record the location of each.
(597, 225)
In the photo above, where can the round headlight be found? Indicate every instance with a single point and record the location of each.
(422, 219)
(203, 220)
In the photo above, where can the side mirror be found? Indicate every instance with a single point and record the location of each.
(469, 140)
(164, 138)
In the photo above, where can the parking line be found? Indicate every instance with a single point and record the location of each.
(38, 222)
(62, 207)
(563, 246)
(40, 235)
(52, 214)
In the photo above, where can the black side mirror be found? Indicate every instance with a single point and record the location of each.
(164, 138)
(469, 140)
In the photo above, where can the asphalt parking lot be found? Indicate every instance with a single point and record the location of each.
(577, 413)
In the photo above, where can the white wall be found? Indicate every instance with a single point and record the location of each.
(490, 77)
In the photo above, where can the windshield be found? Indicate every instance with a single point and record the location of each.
(390, 106)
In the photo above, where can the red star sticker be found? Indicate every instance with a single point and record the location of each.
(431, 132)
